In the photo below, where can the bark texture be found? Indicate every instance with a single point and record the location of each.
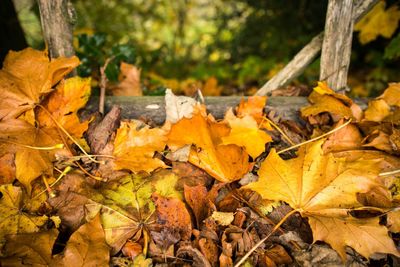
(336, 47)
(57, 19)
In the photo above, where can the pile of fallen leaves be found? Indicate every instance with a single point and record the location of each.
(252, 189)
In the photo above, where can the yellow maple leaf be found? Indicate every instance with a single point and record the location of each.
(245, 132)
(226, 163)
(63, 105)
(12, 219)
(324, 99)
(134, 148)
(20, 137)
(324, 189)
(26, 76)
(378, 21)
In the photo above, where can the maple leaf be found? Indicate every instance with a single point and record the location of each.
(254, 106)
(377, 22)
(245, 132)
(324, 99)
(134, 148)
(86, 247)
(12, 219)
(20, 137)
(26, 77)
(226, 163)
(324, 189)
(392, 94)
(63, 105)
(29, 249)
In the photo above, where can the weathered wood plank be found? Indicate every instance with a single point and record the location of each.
(57, 19)
(309, 52)
(336, 47)
(153, 107)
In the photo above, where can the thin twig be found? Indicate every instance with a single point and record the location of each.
(280, 131)
(316, 138)
(103, 84)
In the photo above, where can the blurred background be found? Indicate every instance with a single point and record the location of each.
(224, 47)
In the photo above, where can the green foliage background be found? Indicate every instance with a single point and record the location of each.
(240, 42)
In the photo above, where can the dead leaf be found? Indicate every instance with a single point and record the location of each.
(87, 246)
(173, 214)
(129, 81)
(393, 221)
(377, 110)
(134, 148)
(346, 138)
(63, 105)
(132, 249)
(323, 188)
(392, 94)
(254, 106)
(223, 162)
(196, 198)
(379, 140)
(178, 107)
(245, 132)
(26, 76)
(223, 218)
(29, 249)
(13, 220)
(324, 99)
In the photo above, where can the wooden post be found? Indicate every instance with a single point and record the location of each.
(57, 19)
(336, 47)
(307, 55)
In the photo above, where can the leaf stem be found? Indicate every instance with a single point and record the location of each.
(315, 138)
(242, 260)
(279, 130)
(68, 135)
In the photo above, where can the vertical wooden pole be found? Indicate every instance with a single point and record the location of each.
(57, 18)
(336, 46)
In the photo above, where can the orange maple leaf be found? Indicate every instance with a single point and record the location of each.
(134, 148)
(63, 105)
(226, 163)
(27, 76)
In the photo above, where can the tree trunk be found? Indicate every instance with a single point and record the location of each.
(57, 18)
(336, 47)
(11, 34)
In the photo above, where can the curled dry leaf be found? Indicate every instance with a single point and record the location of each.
(323, 188)
(392, 94)
(324, 99)
(134, 148)
(347, 138)
(27, 76)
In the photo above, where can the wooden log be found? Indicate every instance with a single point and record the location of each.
(57, 19)
(307, 55)
(153, 107)
(336, 47)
